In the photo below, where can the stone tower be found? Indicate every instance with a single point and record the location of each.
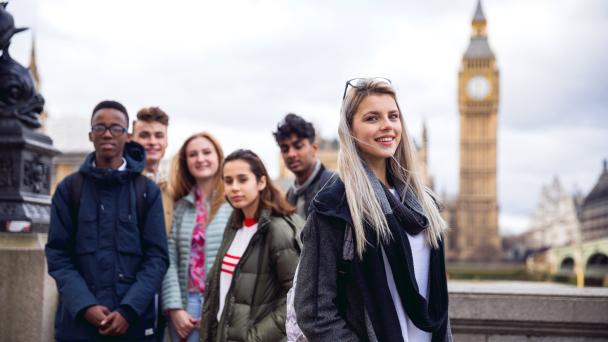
(476, 235)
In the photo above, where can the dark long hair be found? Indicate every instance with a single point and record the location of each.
(270, 198)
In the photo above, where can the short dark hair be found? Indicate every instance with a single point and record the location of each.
(153, 114)
(294, 124)
(109, 104)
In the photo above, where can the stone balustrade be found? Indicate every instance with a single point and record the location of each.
(527, 311)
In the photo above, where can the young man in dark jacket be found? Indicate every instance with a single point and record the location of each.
(107, 256)
(150, 131)
(296, 138)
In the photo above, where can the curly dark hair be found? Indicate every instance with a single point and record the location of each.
(294, 124)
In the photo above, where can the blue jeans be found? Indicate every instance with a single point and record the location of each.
(194, 308)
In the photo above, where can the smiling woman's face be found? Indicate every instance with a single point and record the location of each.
(377, 127)
(202, 159)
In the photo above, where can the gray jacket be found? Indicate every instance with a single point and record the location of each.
(328, 304)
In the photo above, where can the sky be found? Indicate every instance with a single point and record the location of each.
(235, 68)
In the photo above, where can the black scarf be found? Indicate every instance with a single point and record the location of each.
(428, 315)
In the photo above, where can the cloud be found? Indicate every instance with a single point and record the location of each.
(235, 68)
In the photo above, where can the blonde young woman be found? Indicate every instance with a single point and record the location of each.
(199, 218)
(372, 267)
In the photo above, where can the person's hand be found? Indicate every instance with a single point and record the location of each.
(95, 314)
(183, 322)
(114, 325)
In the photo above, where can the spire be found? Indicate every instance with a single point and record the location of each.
(605, 165)
(479, 16)
(33, 67)
(479, 47)
(425, 137)
(479, 21)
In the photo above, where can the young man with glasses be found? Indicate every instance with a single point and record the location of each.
(296, 139)
(150, 130)
(107, 248)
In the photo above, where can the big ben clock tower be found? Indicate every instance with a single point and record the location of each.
(476, 236)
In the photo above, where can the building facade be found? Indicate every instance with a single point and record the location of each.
(475, 236)
(555, 221)
(594, 210)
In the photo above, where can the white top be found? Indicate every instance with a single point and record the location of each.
(231, 259)
(421, 255)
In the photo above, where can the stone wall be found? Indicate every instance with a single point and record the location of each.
(28, 296)
(479, 311)
(527, 311)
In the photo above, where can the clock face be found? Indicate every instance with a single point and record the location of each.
(478, 87)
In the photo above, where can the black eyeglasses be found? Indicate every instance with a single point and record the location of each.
(356, 83)
(115, 129)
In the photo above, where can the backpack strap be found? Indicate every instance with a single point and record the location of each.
(141, 195)
(75, 190)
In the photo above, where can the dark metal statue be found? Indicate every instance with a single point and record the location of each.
(18, 97)
(25, 155)
(7, 27)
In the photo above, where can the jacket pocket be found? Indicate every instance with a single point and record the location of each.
(343, 281)
(123, 284)
(129, 240)
(86, 235)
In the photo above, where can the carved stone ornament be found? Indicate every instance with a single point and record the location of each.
(35, 174)
(8, 178)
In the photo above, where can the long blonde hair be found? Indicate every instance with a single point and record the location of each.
(362, 201)
(182, 180)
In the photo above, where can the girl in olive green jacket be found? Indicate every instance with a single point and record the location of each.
(256, 262)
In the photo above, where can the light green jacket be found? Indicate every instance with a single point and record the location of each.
(174, 289)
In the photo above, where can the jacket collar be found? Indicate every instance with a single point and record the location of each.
(135, 157)
(263, 221)
(299, 188)
(331, 201)
(191, 197)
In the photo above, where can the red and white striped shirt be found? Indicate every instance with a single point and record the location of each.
(232, 257)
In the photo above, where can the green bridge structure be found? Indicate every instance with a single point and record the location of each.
(587, 262)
